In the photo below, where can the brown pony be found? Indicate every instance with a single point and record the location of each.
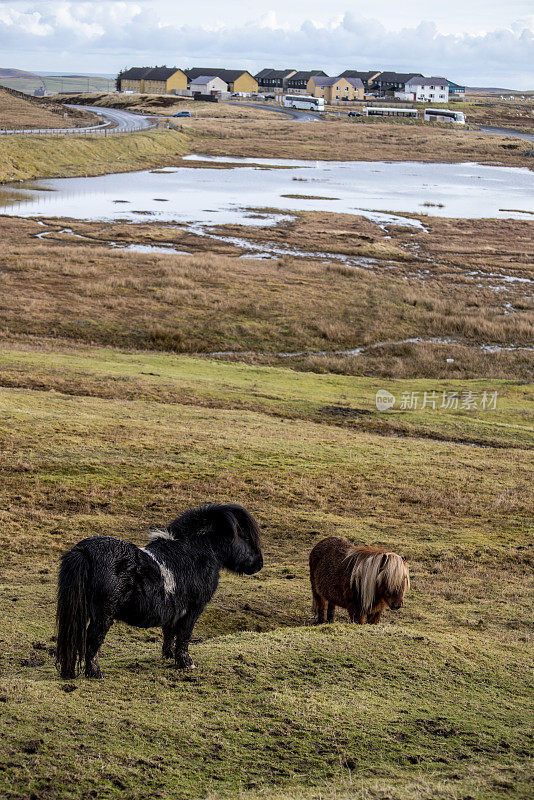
(364, 580)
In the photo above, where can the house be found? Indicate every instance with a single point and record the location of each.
(131, 80)
(273, 80)
(298, 83)
(238, 80)
(456, 92)
(428, 90)
(153, 80)
(367, 78)
(389, 82)
(208, 84)
(164, 80)
(335, 89)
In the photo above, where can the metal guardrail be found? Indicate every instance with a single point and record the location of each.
(103, 130)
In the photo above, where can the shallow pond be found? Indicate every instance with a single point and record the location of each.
(207, 196)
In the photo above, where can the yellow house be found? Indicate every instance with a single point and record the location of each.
(237, 80)
(335, 90)
(164, 80)
(153, 80)
(132, 79)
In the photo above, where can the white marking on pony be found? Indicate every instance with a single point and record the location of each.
(169, 583)
(159, 533)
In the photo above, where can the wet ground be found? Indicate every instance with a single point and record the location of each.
(226, 195)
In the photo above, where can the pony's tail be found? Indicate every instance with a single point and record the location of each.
(72, 611)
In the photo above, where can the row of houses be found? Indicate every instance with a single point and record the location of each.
(172, 80)
(349, 85)
(354, 84)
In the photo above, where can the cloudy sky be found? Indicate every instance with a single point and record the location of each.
(478, 42)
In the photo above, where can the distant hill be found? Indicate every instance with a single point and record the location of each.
(32, 82)
(494, 90)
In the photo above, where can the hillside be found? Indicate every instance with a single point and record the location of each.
(18, 112)
(29, 82)
(428, 705)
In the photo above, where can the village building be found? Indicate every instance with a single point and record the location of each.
(208, 84)
(456, 92)
(164, 80)
(335, 90)
(153, 80)
(387, 83)
(237, 80)
(132, 79)
(367, 78)
(427, 90)
(274, 80)
(298, 83)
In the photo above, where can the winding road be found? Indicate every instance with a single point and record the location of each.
(125, 121)
(122, 122)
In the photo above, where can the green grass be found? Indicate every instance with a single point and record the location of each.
(431, 704)
(26, 157)
(339, 399)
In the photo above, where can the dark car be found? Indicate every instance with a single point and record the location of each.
(355, 114)
(182, 114)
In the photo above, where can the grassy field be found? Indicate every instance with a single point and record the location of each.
(114, 417)
(364, 139)
(223, 129)
(436, 284)
(23, 158)
(430, 704)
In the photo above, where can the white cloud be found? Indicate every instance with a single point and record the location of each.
(103, 37)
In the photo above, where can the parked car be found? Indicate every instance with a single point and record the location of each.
(355, 114)
(270, 97)
(182, 114)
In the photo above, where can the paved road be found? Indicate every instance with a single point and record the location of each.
(125, 121)
(293, 113)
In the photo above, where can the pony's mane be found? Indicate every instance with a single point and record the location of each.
(366, 572)
(225, 519)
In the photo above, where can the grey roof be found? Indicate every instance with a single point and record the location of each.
(364, 76)
(135, 73)
(356, 82)
(274, 74)
(396, 77)
(160, 73)
(204, 79)
(306, 75)
(433, 81)
(227, 75)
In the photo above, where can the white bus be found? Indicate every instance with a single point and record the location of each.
(375, 111)
(444, 115)
(304, 101)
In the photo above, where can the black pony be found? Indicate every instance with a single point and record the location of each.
(165, 584)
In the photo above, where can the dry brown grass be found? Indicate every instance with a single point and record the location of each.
(167, 105)
(16, 112)
(213, 300)
(360, 142)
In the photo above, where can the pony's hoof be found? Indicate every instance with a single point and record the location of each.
(185, 662)
(94, 673)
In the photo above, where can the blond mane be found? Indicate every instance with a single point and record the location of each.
(366, 575)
